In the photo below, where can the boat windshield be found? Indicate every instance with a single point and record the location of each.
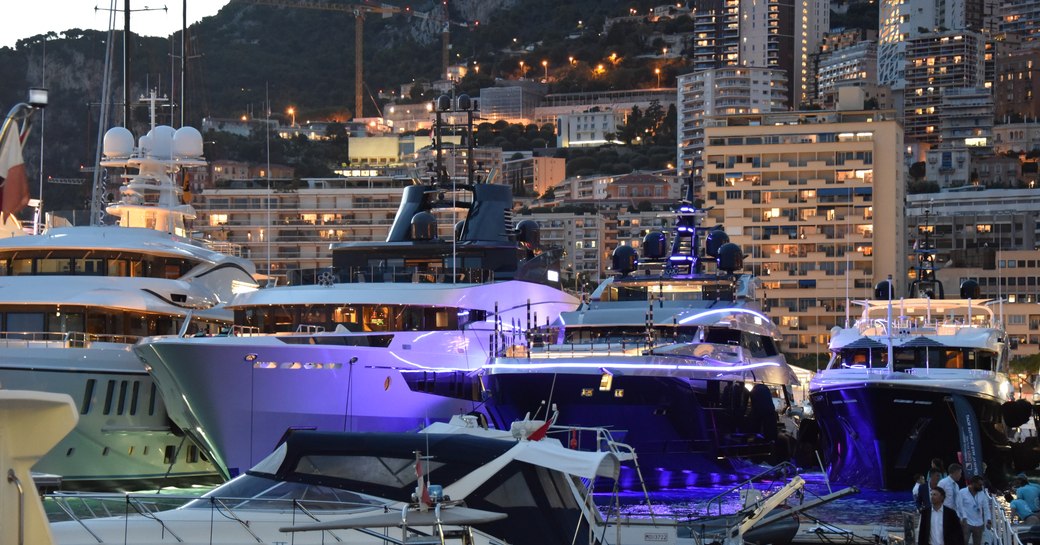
(920, 357)
(264, 493)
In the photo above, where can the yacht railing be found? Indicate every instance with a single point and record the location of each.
(1002, 527)
(87, 510)
(397, 275)
(57, 339)
(921, 325)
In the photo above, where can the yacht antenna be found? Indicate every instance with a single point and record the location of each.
(267, 124)
(98, 191)
(38, 216)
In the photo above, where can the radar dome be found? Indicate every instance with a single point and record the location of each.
(119, 142)
(187, 143)
(970, 290)
(714, 241)
(464, 102)
(731, 257)
(623, 260)
(162, 142)
(528, 232)
(424, 226)
(655, 245)
(883, 290)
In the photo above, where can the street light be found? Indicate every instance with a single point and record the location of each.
(521, 69)
(658, 72)
(292, 111)
(545, 65)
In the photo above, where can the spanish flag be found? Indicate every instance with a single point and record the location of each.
(14, 186)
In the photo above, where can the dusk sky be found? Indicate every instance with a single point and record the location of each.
(22, 19)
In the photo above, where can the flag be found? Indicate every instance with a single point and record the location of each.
(14, 186)
(422, 491)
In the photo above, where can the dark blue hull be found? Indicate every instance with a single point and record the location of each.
(684, 432)
(879, 436)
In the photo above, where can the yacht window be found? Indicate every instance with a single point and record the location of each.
(4, 267)
(760, 346)
(722, 335)
(21, 267)
(396, 472)
(512, 492)
(89, 266)
(60, 265)
(24, 321)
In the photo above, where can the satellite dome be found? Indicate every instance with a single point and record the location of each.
(424, 226)
(187, 143)
(529, 232)
(655, 245)
(119, 142)
(714, 241)
(883, 290)
(162, 142)
(731, 257)
(624, 259)
(970, 290)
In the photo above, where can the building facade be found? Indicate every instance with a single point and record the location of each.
(816, 201)
(936, 62)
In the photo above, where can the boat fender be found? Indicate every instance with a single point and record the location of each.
(574, 438)
(1016, 413)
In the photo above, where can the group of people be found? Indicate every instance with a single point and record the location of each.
(952, 514)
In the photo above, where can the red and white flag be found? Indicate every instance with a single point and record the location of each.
(14, 186)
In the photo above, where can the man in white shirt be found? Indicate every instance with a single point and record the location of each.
(949, 484)
(973, 509)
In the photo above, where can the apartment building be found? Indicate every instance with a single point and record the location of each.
(815, 199)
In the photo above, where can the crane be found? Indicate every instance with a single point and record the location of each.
(359, 11)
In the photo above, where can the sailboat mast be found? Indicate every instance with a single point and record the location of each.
(126, 63)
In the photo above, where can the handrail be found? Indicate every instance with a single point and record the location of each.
(774, 469)
(1002, 528)
(135, 502)
(12, 478)
(231, 515)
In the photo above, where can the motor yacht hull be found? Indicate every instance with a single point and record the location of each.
(123, 440)
(686, 432)
(878, 433)
(237, 396)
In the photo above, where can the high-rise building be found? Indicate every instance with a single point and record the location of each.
(761, 33)
(851, 66)
(1016, 89)
(1021, 17)
(722, 91)
(936, 62)
(816, 201)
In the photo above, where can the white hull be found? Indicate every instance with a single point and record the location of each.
(239, 408)
(123, 438)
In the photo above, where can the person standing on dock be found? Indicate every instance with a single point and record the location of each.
(950, 486)
(973, 508)
(922, 491)
(939, 523)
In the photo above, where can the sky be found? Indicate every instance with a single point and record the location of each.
(22, 19)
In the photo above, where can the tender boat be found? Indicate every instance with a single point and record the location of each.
(74, 300)
(457, 482)
(671, 353)
(329, 356)
(914, 379)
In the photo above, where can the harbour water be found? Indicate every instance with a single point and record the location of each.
(864, 508)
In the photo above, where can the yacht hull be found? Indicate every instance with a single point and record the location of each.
(238, 396)
(686, 432)
(879, 434)
(123, 440)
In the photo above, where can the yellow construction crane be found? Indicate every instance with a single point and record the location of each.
(358, 11)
